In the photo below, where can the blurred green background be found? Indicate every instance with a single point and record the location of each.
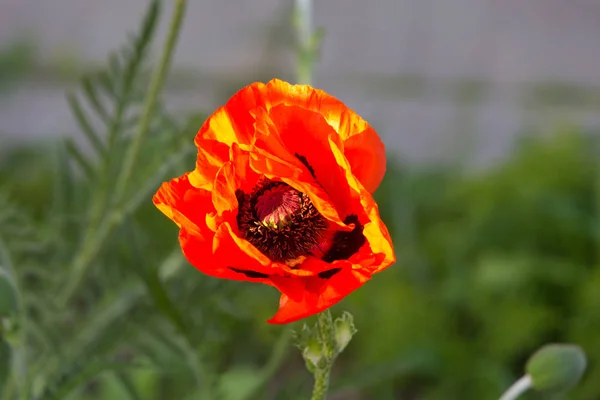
(494, 260)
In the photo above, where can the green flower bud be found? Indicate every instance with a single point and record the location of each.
(308, 343)
(556, 367)
(344, 330)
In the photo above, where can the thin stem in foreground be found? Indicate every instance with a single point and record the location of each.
(517, 389)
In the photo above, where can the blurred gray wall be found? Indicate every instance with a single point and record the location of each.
(437, 78)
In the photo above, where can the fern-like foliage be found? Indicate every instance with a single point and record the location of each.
(108, 101)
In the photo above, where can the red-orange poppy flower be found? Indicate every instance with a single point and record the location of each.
(281, 194)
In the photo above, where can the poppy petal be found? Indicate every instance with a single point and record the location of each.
(330, 167)
(362, 146)
(373, 229)
(234, 123)
(306, 134)
(366, 155)
(183, 203)
(226, 256)
(271, 157)
(301, 298)
(211, 156)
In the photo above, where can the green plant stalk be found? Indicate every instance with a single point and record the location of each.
(327, 333)
(98, 234)
(304, 67)
(517, 389)
(597, 200)
(323, 370)
(305, 56)
(321, 386)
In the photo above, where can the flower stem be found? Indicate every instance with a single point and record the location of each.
(517, 389)
(326, 331)
(305, 56)
(321, 384)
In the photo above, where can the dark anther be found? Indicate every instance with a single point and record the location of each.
(345, 244)
(306, 164)
(329, 273)
(250, 274)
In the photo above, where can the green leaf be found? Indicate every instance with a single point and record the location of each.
(344, 330)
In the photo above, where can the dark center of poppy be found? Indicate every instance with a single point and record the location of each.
(283, 224)
(280, 221)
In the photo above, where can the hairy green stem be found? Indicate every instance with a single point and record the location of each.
(327, 333)
(99, 232)
(321, 386)
(323, 369)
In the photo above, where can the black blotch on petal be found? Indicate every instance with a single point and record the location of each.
(306, 164)
(345, 244)
(329, 273)
(249, 274)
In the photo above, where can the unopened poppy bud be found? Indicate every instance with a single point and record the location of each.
(308, 343)
(312, 353)
(344, 330)
(556, 367)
